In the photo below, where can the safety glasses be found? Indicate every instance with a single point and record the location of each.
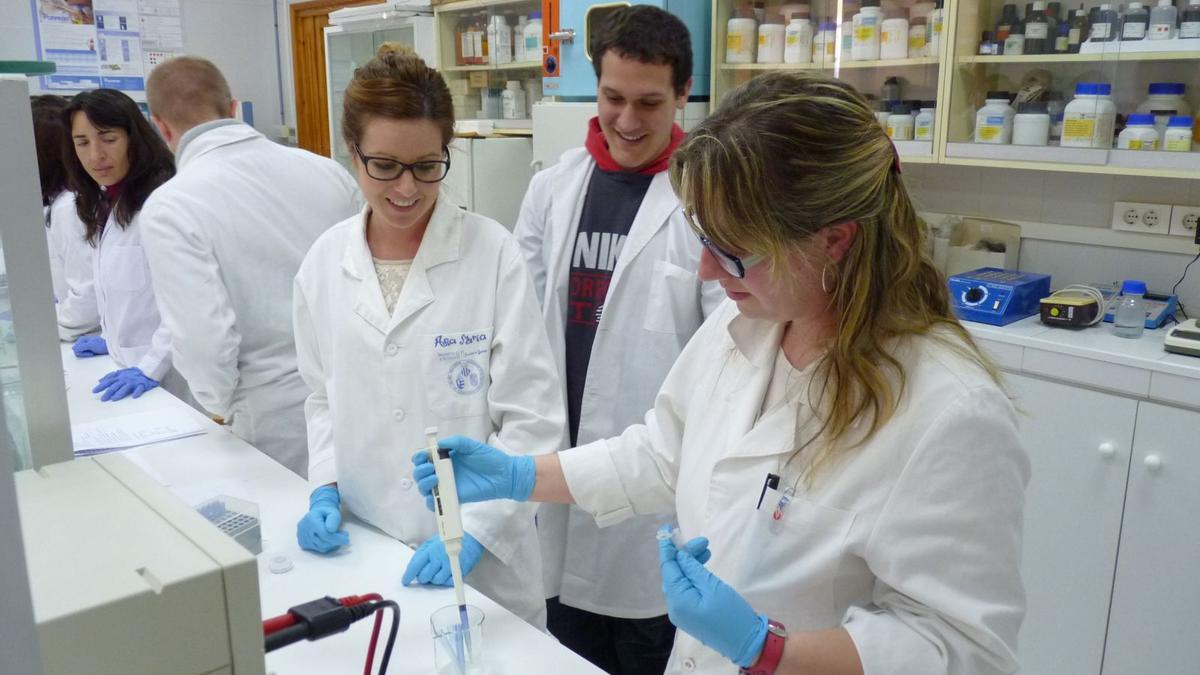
(732, 264)
(386, 168)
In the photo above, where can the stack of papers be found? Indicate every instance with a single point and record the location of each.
(130, 431)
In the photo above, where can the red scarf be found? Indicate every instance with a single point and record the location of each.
(598, 147)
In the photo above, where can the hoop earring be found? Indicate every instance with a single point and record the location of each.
(828, 286)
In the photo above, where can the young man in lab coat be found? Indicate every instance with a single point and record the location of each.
(225, 238)
(614, 264)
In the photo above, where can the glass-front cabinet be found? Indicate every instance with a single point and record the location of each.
(1076, 86)
(890, 50)
(354, 38)
(491, 56)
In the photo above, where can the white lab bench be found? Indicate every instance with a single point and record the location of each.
(1112, 427)
(217, 462)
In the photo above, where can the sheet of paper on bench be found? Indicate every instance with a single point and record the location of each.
(129, 431)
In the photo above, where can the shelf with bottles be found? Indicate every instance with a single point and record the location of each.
(524, 65)
(1150, 30)
(501, 95)
(753, 38)
(1065, 111)
(495, 35)
(918, 62)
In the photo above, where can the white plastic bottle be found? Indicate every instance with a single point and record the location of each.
(798, 41)
(849, 9)
(1178, 136)
(1139, 133)
(865, 46)
(825, 42)
(923, 124)
(1166, 96)
(918, 37)
(532, 37)
(1129, 319)
(741, 36)
(893, 37)
(771, 35)
(519, 40)
(1089, 118)
(1162, 21)
(1031, 126)
(512, 101)
(900, 124)
(994, 121)
(937, 25)
(499, 40)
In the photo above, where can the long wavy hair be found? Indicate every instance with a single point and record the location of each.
(51, 141)
(785, 155)
(150, 160)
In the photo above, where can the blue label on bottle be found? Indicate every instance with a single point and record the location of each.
(995, 119)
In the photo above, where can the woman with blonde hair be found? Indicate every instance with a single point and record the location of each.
(832, 430)
(415, 313)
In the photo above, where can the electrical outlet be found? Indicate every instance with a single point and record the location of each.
(1185, 221)
(1137, 217)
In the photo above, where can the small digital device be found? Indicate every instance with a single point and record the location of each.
(997, 296)
(1184, 338)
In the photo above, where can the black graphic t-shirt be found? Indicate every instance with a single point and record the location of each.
(612, 201)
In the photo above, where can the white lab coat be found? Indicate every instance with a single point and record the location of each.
(912, 543)
(129, 319)
(462, 351)
(225, 237)
(655, 303)
(71, 268)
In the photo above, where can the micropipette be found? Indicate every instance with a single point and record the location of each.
(449, 518)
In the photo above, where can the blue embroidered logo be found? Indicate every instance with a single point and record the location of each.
(465, 377)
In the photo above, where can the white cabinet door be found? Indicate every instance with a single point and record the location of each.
(1079, 444)
(1155, 623)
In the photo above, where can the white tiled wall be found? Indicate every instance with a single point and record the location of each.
(1064, 199)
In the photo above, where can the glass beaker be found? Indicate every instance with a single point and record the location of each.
(457, 651)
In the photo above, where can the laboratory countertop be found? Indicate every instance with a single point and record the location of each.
(218, 463)
(1094, 357)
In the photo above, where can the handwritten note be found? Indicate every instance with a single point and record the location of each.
(129, 431)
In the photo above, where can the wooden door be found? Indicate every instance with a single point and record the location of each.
(308, 22)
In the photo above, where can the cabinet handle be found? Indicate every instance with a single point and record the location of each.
(564, 35)
(1153, 463)
(1107, 450)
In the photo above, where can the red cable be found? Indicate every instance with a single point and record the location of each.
(284, 620)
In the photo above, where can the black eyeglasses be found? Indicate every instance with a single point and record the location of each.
(386, 168)
(732, 264)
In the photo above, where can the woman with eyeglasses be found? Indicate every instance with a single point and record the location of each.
(416, 313)
(837, 448)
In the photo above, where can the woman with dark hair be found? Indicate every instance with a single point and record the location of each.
(411, 314)
(118, 160)
(70, 256)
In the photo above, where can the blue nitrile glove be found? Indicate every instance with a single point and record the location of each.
(481, 472)
(430, 565)
(121, 383)
(89, 345)
(707, 608)
(318, 529)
